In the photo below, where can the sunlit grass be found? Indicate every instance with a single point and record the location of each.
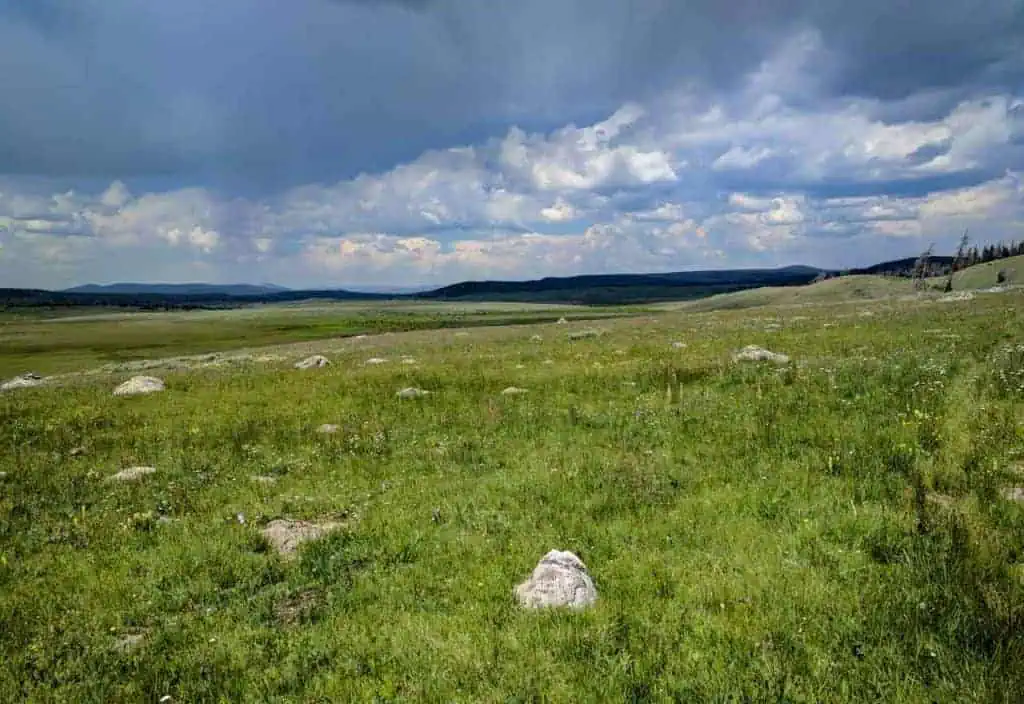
(753, 530)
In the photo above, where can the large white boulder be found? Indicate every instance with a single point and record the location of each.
(140, 385)
(559, 579)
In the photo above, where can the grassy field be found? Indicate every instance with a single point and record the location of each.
(51, 345)
(832, 530)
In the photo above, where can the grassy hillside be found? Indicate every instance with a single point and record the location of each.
(830, 530)
(986, 275)
(838, 290)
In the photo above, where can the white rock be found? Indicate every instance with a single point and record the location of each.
(315, 361)
(753, 353)
(328, 428)
(562, 321)
(24, 381)
(513, 391)
(678, 345)
(132, 473)
(536, 338)
(412, 392)
(1014, 493)
(408, 360)
(373, 361)
(560, 579)
(584, 334)
(285, 536)
(139, 385)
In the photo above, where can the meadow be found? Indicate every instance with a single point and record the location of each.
(840, 528)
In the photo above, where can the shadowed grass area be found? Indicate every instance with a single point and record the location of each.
(755, 532)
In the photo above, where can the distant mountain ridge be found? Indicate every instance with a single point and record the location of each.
(594, 289)
(194, 289)
(632, 288)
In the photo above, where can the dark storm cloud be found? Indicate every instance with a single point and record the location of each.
(264, 93)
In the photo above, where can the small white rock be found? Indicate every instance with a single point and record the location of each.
(513, 391)
(412, 392)
(328, 428)
(23, 381)
(678, 345)
(138, 385)
(753, 353)
(315, 361)
(132, 473)
(373, 361)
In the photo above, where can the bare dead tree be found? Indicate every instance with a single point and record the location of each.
(958, 261)
(921, 268)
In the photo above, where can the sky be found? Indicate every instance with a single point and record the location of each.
(407, 143)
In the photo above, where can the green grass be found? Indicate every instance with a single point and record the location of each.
(755, 533)
(56, 345)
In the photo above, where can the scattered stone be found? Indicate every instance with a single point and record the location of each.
(958, 296)
(560, 579)
(678, 345)
(513, 391)
(562, 321)
(373, 361)
(294, 609)
(866, 314)
(328, 428)
(285, 536)
(132, 473)
(408, 360)
(315, 361)
(462, 334)
(753, 353)
(23, 381)
(412, 392)
(129, 642)
(1015, 493)
(263, 479)
(584, 334)
(138, 385)
(77, 451)
(536, 338)
(520, 366)
(548, 361)
(940, 500)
